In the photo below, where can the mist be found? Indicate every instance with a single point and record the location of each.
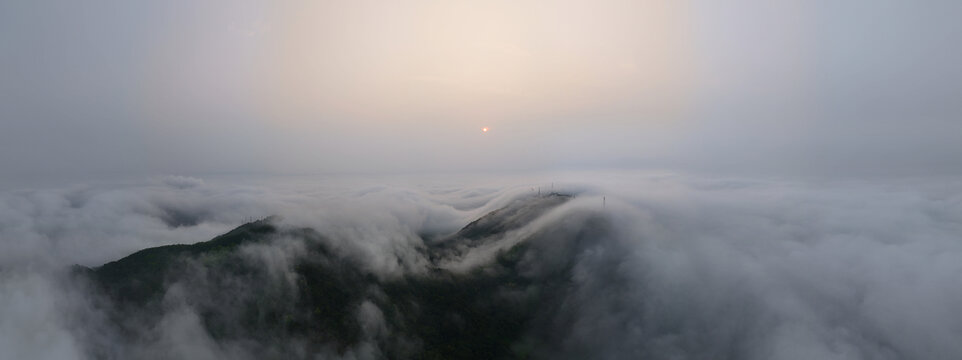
(748, 89)
(500, 179)
(690, 267)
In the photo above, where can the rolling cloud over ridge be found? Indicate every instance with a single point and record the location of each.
(690, 267)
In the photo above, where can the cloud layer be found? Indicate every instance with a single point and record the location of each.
(672, 267)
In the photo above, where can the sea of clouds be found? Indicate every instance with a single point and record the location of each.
(686, 267)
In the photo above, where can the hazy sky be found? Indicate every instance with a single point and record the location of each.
(117, 88)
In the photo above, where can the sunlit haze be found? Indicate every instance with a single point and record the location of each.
(485, 179)
(753, 87)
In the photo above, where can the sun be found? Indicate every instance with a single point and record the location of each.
(484, 129)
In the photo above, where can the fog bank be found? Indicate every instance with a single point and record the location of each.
(671, 267)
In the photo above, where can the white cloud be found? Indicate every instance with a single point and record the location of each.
(672, 266)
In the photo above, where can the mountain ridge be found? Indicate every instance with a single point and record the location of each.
(334, 303)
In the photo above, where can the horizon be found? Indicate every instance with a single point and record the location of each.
(753, 89)
(503, 179)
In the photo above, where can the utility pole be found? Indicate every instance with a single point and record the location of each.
(603, 202)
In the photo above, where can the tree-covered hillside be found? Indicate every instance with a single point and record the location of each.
(281, 292)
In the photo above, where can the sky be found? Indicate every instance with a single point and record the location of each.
(112, 89)
(127, 124)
